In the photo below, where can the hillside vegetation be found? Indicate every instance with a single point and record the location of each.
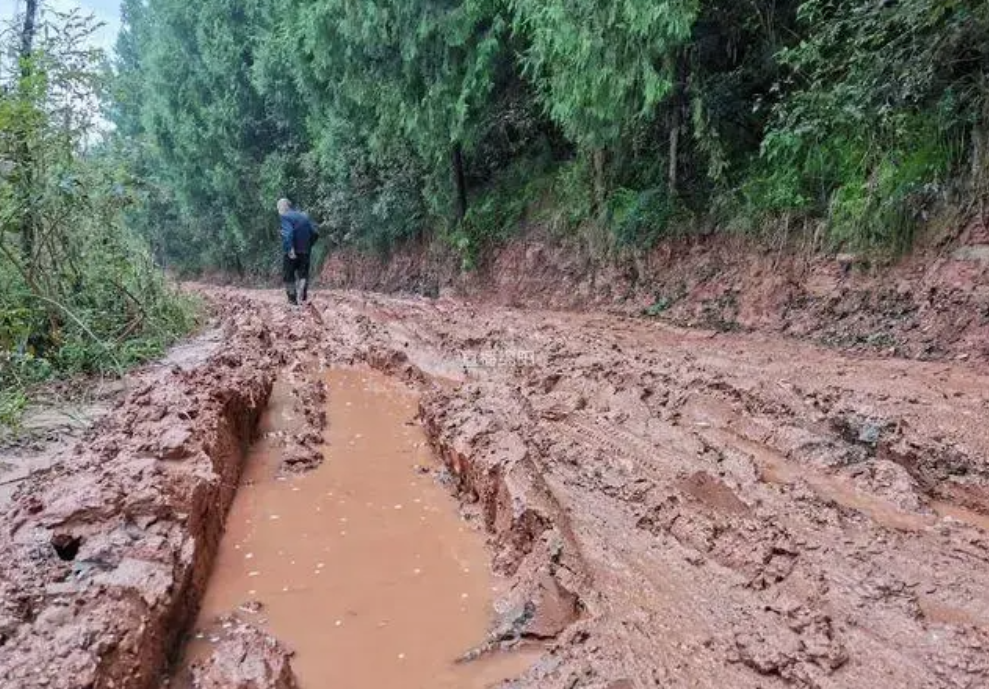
(851, 119)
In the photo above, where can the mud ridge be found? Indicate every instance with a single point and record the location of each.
(107, 554)
(302, 450)
(495, 477)
(245, 658)
(494, 471)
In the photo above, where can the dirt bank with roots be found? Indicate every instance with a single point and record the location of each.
(673, 507)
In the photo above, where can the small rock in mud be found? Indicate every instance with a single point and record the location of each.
(445, 478)
(174, 442)
(556, 608)
(894, 483)
(246, 659)
(299, 457)
(311, 402)
(254, 607)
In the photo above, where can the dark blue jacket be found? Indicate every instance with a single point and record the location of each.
(298, 232)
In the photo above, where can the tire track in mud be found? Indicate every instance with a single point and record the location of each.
(105, 555)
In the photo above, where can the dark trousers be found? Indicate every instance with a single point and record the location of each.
(296, 269)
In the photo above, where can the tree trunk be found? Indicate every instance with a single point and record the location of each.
(980, 155)
(678, 72)
(599, 163)
(674, 154)
(24, 161)
(980, 171)
(459, 183)
(980, 143)
(30, 27)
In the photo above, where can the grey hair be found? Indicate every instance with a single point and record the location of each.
(283, 205)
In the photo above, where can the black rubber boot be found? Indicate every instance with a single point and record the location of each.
(293, 299)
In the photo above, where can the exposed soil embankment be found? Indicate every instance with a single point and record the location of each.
(932, 304)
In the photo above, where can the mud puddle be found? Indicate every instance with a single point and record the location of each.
(363, 567)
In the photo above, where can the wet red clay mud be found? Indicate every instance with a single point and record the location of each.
(362, 567)
(105, 554)
(668, 507)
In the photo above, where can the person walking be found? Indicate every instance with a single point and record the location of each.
(298, 236)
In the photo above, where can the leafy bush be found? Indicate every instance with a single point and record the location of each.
(639, 218)
(885, 99)
(571, 199)
(497, 211)
(79, 292)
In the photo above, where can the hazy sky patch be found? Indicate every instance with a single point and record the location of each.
(107, 12)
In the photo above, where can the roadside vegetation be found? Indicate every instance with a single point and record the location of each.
(79, 293)
(851, 121)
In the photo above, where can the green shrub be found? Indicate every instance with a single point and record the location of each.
(496, 213)
(639, 218)
(79, 292)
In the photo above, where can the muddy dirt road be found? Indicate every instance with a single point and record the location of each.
(670, 508)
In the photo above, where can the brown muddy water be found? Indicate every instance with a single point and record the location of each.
(364, 566)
